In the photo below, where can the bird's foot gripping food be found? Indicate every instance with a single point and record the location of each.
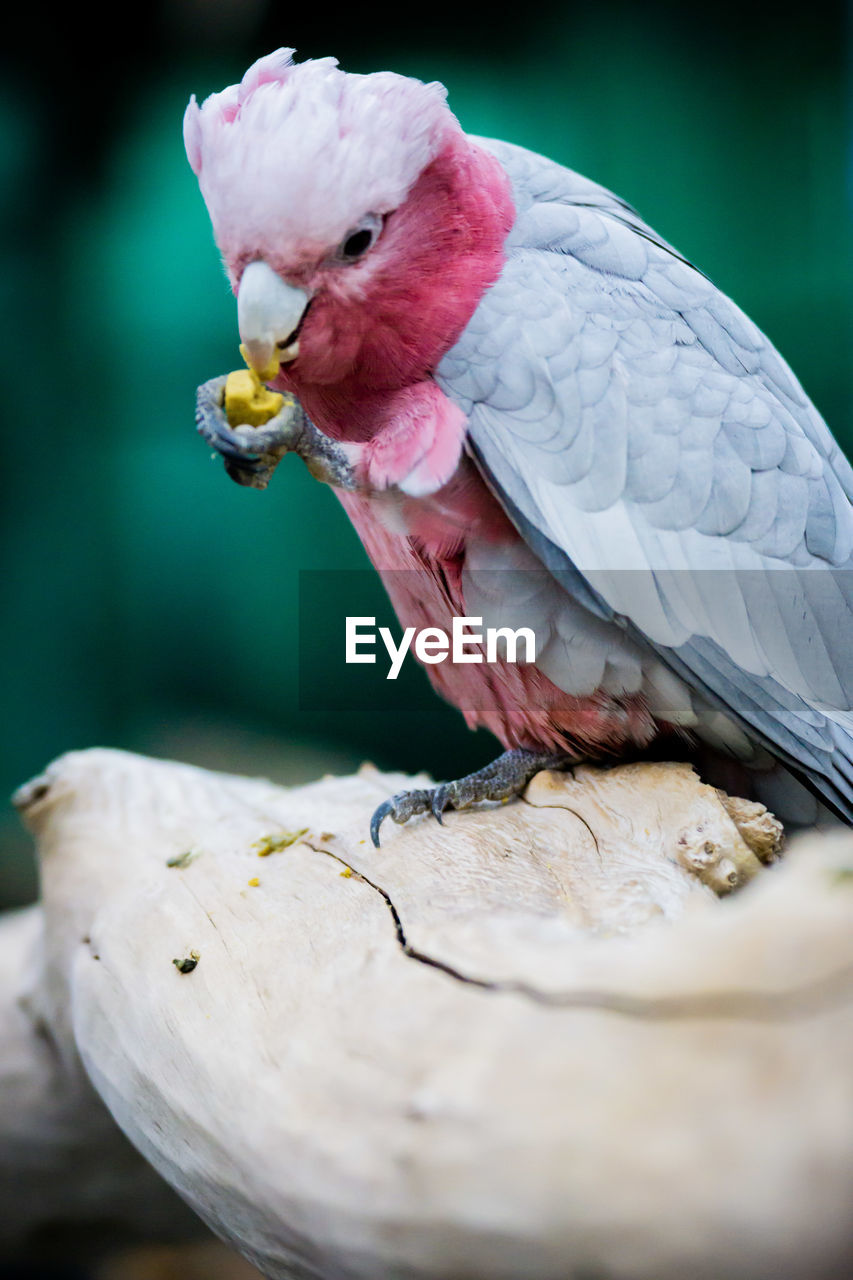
(505, 777)
(249, 426)
(253, 428)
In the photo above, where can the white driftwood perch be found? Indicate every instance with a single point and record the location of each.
(65, 1167)
(532, 1043)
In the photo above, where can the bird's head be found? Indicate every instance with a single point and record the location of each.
(357, 223)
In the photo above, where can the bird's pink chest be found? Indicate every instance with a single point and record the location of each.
(418, 546)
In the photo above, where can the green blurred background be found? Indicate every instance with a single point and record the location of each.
(149, 603)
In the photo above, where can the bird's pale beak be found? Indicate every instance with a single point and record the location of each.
(268, 313)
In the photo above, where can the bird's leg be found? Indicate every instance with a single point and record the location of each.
(504, 777)
(251, 454)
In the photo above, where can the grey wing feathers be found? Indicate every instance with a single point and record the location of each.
(660, 457)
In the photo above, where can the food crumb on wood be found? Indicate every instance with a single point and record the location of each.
(275, 843)
(183, 859)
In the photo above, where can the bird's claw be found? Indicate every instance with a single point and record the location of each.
(503, 778)
(400, 809)
(440, 800)
(405, 805)
(251, 454)
(435, 800)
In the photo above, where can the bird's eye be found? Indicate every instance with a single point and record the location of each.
(361, 238)
(357, 244)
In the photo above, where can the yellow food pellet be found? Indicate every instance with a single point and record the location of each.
(274, 844)
(247, 401)
(254, 882)
(347, 872)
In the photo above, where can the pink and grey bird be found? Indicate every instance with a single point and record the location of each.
(537, 412)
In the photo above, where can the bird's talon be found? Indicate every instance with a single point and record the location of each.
(440, 799)
(379, 816)
(500, 781)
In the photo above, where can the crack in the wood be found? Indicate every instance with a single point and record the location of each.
(568, 809)
(830, 991)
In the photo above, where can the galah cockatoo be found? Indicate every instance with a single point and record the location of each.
(535, 411)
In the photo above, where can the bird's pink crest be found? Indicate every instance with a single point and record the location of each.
(226, 105)
(298, 153)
